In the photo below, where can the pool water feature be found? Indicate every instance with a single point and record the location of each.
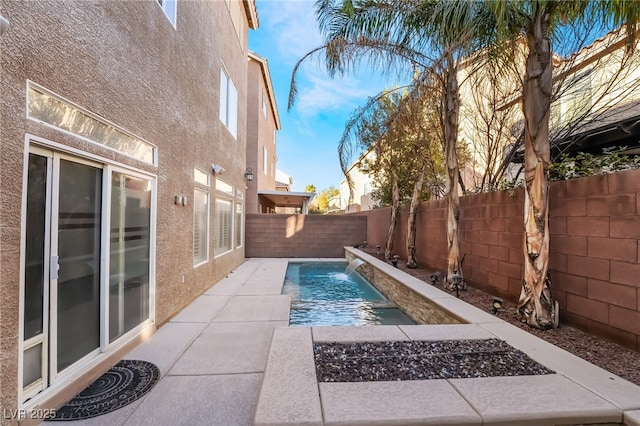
(323, 293)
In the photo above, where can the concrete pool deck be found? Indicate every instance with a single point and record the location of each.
(220, 366)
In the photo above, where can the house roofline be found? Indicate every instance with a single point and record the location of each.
(252, 13)
(266, 75)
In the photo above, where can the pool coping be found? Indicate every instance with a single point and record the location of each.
(579, 392)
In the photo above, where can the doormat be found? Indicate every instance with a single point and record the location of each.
(124, 383)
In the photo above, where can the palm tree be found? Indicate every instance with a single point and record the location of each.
(421, 34)
(536, 21)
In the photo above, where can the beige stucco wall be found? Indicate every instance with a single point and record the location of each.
(125, 62)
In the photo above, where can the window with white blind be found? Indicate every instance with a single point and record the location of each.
(238, 221)
(200, 226)
(223, 225)
(228, 103)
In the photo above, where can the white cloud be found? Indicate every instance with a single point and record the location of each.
(322, 94)
(292, 24)
(293, 32)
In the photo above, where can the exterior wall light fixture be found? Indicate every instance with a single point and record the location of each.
(248, 174)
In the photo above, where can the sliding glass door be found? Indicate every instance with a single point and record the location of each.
(129, 253)
(87, 264)
(79, 213)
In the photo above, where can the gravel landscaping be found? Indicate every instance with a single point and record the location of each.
(610, 356)
(421, 360)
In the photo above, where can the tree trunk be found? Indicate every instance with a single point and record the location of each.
(536, 306)
(395, 197)
(451, 110)
(412, 262)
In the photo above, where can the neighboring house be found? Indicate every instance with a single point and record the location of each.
(597, 106)
(359, 197)
(263, 191)
(263, 123)
(285, 201)
(122, 178)
(283, 181)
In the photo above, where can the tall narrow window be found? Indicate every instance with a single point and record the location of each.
(129, 253)
(170, 8)
(265, 166)
(200, 226)
(264, 104)
(238, 219)
(223, 225)
(223, 218)
(228, 103)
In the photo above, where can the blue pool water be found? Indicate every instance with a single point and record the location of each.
(323, 294)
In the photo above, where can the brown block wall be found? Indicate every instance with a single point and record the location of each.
(279, 235)
(595, 248)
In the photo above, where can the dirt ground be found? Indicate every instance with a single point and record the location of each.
(610, 356)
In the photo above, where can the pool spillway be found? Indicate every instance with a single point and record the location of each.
(323, 293)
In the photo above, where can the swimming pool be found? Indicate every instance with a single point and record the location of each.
(323, 294)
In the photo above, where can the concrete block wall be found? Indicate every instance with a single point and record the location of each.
(280, 235)
(595, 248)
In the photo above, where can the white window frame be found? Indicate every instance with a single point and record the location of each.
(264, 104)
(238, 237)
(201, 260)
(132, 146)
(170, 12)
(46, 147)
(224, 192)
(265, 165)
(228, 103)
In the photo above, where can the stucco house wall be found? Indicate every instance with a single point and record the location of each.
(125, 62)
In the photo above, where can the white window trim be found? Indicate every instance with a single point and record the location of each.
(42, 89)
(264, 104)
(239, 201)
(173, 19)
(226, 106)
(265, 164)
(226, 197)
(208, 226)
(35, 144)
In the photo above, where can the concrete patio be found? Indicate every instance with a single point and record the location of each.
(215, 355)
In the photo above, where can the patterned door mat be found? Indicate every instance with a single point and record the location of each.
(124, 383)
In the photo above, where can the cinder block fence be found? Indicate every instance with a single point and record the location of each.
(279, 235)
(595, 248)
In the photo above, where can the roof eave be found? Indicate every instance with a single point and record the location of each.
(266, 75)
(252, 13)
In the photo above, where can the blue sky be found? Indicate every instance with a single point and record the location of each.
(307, 144)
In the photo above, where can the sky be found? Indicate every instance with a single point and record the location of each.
(307, 144)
